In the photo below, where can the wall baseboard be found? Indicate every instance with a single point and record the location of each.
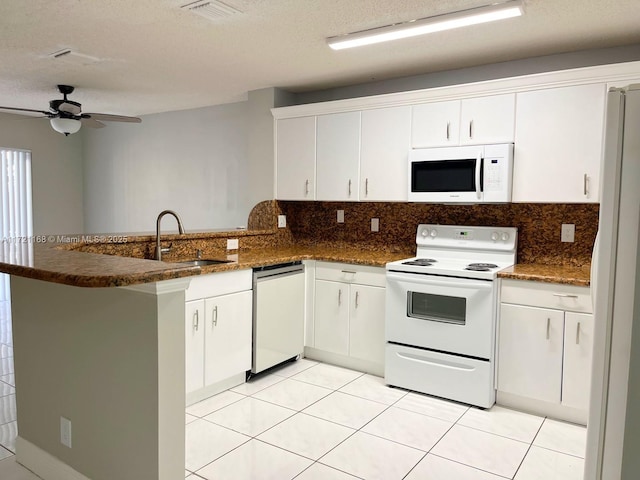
(44, 464)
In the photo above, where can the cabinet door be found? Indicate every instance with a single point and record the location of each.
(435, 124)
(227, 336)
(296, 158)
(194, 345)
(578, 349)
(558, 145)
(487, 119)
(338, 156)
(385, 144)
(331, 325)
(366, 323)
(530, 352)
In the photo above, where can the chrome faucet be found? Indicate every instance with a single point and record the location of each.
(159, 249)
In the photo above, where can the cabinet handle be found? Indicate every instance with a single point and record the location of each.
(357, 297)
(565, 295)
(548, 326)
(448, 130)
(339, 297)
(471, 129)
(349, 187)
(196, 320)
(578, 334)
(585, 184)
(306, 187)
(214, 317)
(366, 186)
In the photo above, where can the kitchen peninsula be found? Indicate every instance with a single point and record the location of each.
(112, 360)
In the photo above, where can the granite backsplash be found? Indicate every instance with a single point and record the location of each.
(539, 225)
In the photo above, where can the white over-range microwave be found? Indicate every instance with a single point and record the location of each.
(469, 174)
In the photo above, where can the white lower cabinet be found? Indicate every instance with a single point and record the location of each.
(349, 316)
(544, 349)
(531, 352)
(218, 322)
(578, 349)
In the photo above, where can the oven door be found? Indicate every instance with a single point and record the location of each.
(452, 315)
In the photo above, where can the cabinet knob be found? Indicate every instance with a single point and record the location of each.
(306, 187)
(585, 185)
(196, 320)
(548, 326)
(214, 316)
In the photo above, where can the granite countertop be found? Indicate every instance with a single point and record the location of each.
(537, 272)
(60, 262)
(54, 263)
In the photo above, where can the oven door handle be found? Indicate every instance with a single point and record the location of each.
(454, 282)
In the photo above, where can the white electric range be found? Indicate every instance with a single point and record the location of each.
(441, 309)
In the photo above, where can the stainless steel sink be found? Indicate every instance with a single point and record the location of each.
(204, 262)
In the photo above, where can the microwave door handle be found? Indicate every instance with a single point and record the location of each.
(478, 164)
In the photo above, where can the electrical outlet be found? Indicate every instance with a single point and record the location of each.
(65, 431)
(568, 233)
(375, 224)
(282, 221)
(340, 216)
(232, 244)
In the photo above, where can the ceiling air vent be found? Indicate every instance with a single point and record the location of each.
(71, 56)
(211, 9)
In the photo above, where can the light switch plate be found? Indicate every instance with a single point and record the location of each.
(282, 221)
(375, 224)
(340, 216)
(232, 243)
(568, 233)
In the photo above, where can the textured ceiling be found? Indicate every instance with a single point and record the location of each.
(136, 57)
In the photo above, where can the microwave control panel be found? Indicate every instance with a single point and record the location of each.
(493, 173)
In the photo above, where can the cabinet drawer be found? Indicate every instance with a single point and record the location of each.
(219, 284)
(348, 273)
(546, 295)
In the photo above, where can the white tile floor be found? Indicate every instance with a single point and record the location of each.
(312, 421)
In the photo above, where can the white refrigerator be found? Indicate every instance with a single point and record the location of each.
(613, 436)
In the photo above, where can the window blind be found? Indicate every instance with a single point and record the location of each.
(16, 226)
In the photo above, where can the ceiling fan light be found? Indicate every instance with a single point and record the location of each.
(65, 125)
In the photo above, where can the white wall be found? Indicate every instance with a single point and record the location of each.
(191, 161)
(56, 166)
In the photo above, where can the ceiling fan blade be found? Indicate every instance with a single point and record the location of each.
(91, 122)
(111, 118)
(27, 110)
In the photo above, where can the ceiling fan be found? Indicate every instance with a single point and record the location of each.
(66, 115)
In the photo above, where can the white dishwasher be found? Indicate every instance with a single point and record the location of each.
(278, 314)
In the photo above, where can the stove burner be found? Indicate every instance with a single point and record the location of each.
(478, 269)
(482, 265)
(421, 262)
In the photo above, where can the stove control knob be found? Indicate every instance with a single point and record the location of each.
(505, 236)
(433, 233)
(425, 233)
(495, 236)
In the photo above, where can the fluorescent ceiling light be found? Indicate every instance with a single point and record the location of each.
(423, 26)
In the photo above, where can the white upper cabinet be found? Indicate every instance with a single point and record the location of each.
(487, 119)
(296, 158)
(385, 144)
(338, 156)
(471, 121)
(435, 124)
(558, 144)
